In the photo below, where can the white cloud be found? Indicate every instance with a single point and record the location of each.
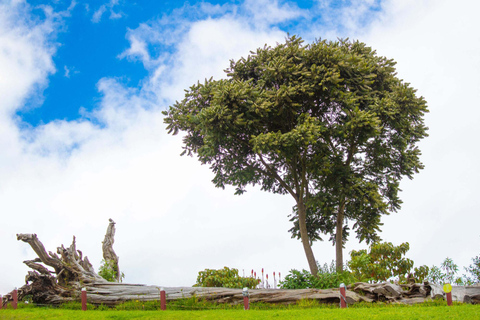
(97, 15)
(138, 48)
(67, 72)
(206, 51)
(267, 12)
(110, 6)
(25, 55)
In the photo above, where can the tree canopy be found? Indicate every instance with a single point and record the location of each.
(328, 123)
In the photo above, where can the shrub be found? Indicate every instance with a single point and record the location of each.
(421, 273)
(327, 278)
(298, 280)
(108, 271)
(446, 273)
(226, 277)
(384, 261)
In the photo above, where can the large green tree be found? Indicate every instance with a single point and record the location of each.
(328, 123)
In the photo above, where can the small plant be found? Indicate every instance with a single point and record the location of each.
(307, 303)
(474, 271)
(108, 270)
(446, 273)
(226, 277)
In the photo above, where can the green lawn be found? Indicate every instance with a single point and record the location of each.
(383, 312)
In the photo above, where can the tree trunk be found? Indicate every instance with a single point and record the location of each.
(302, 224)
(339, 238)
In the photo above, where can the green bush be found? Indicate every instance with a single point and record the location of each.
(327, 278)
(383, 261)
(108, 270)
(226, 277)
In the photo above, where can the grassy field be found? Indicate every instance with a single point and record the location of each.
(381, 312)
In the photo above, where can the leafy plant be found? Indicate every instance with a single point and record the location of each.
(474, 270)
(298, 280)
(326, 278)
(226, 277)
(446, 273)
(384, 261)
(108, 271)
(421, 273)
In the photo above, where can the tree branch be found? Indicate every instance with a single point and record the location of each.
(274, 174)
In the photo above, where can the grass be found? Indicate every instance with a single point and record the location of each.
(306, 309)
(384, 312)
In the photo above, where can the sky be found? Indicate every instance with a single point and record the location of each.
(82, 87)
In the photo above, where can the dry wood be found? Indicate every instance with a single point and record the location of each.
(109, 254)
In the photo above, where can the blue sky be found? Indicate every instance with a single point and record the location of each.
(82, 87)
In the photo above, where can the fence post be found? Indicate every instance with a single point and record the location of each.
(84, 299)
(449, 298)
(343, 296)
(246, 301)
(447, 288)
(163, 299)
(15, 298)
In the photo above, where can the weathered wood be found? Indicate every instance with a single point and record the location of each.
(378, 291)
(109, 254)
(113, 293)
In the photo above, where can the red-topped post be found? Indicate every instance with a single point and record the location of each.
(246, 301)
(84, 299)
(343, 296)
(163, 299)
(447, 288)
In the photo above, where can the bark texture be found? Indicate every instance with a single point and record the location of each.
(109, 254)
(307, 246)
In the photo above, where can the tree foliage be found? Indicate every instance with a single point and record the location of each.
(474, 271)
(328, 123)
(383, 261)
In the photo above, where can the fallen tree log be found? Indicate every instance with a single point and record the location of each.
(72, 272)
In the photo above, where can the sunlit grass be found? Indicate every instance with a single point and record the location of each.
(194, 308)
